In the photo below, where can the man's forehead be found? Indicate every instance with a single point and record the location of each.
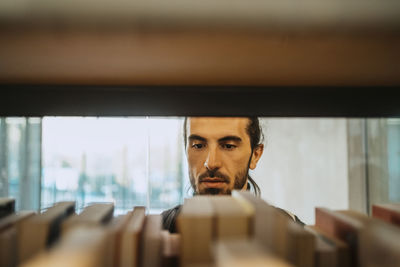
(217, 127)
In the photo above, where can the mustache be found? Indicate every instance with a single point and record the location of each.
(214, 174)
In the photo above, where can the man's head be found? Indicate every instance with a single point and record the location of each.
(220, 152)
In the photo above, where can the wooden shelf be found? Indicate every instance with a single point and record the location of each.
(199, 58)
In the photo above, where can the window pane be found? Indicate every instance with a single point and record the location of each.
(108, 159)
(165, 162)
(20, 156)
(394, 159)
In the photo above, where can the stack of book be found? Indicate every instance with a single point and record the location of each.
(218, 231)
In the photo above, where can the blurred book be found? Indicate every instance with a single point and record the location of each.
(7, 206)
(195, 222)
(232, 217)
(152, 242)
(94, 214)
(379, 245)
(279, 233)
(83, 246)
(40, 231)
(387, 212)
(243, 253)
(323, 257)
(170, 249)
(131, 238)
(9, 237)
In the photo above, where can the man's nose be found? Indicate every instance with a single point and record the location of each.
(213, 161)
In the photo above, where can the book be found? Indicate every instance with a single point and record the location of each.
(195, 223)
(325, 253)
(82, 246)
(342, 226)
(40, 231)
(379, 245)
(9, 237)
(244, 253)
(269, 226)
(387, 212)
(170, 249)
(130, 238)
(14, 219)
(94, 214)
(115, 227)
(358, 216)
(7, 206)
(342, 250)
(279, 233)
(232, 217)
(151, 242)
(300, 245)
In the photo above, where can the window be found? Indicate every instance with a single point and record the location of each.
(129, 161)
(20, 161)
(337, 163)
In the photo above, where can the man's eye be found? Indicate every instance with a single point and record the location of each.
(197, 146)
(228, 146)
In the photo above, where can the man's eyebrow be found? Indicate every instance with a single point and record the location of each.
(196, 137)
(230, 138)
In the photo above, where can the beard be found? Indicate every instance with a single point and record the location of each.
(239, 182)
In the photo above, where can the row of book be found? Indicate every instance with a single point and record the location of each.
(237, 230)
(60, 237)
(243, 230)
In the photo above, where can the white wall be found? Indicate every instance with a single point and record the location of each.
(304, 165)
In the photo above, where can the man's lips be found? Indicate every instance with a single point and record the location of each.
(213, 182)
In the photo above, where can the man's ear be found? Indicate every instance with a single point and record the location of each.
(257, 152)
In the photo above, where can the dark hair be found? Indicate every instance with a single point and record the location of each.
(256, 135)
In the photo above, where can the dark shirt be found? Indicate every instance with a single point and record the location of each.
(169, 218)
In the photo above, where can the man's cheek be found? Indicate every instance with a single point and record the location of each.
(194, 161)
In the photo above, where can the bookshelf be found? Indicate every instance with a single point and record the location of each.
(153, 58)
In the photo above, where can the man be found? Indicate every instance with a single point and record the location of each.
(220, 152)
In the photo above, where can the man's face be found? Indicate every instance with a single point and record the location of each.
(219, 154)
